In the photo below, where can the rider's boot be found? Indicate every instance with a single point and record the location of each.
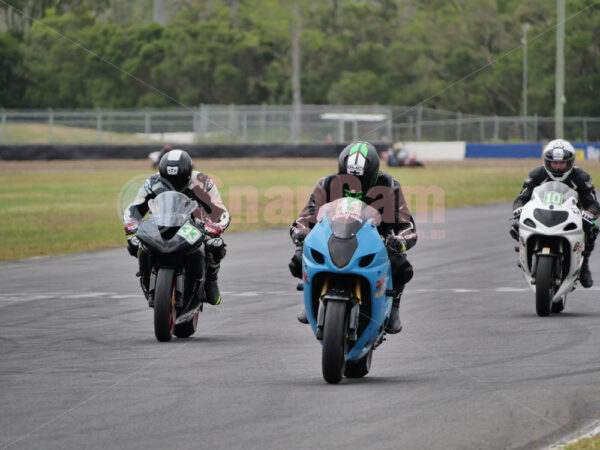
(144, 275)
(302, 316)
(585, 276)
(394, 325)
(211, 287)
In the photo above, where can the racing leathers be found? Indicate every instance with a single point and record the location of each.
(211, 212)
(397, 226)
(580, 181)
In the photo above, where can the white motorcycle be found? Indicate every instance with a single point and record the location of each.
(551, 243)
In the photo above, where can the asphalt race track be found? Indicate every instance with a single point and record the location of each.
(474, 366)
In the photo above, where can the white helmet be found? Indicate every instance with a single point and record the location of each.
(559, 150)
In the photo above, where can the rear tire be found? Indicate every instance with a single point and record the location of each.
(185, 330)
(163, 305)
(544, 285)
(334, 342)
(359, 368)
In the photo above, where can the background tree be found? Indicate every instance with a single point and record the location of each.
(461, 55)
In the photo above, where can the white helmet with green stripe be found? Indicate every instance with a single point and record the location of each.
(361, 160)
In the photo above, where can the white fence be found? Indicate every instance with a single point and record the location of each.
(279, 124)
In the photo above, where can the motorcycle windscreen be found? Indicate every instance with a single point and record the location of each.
(348, 215)
(555, 193)
(171, 209)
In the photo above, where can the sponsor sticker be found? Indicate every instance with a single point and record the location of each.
(355, 169)
(172, 170)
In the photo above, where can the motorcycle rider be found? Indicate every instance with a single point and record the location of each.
(176, 174)
(559, 159)
(359, 177)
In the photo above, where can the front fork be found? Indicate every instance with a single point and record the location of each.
(558, 258)
(179, 287)
(355, 300)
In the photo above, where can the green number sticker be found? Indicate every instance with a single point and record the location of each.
(189, 232)
(349, 206)
(553, 198)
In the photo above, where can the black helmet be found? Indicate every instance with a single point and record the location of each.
(361, 160)
(559, 150)
(175, 167)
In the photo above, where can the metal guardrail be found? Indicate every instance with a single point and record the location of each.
(261, 124)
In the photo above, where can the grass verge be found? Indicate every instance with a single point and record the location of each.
(48, 212)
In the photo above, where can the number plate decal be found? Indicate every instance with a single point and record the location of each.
(553, 198)
(190, 233)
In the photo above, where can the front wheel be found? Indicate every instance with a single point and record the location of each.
(544, 285)
(163, 304)
(334, 342)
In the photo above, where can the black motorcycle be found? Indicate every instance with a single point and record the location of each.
(174, 243)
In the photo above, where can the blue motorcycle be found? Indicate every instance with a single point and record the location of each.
(347, 285)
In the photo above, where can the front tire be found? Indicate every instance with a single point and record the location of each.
(163, 305)
(334, 342)
(544, 285)
(359, 368)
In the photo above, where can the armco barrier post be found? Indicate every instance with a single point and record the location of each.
(196, 124)
(99, 124)
(496, 128)
(147, 124)
(263, 123)
(419, 120)
(481, 129)
(230, 122)
(388, 124)
(203, 121)
(51, 125)
(3, 134)
(245, 126)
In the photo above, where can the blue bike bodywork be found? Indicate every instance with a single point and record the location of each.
(345, 260)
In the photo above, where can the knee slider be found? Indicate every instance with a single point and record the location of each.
(216, 249)
(407, 272)
(295, 264)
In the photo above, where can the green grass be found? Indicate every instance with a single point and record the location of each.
(39, 133)
(54, 212)
(592, 443)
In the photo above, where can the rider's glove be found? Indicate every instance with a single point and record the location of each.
(296, 236)
(587, 215)
(517, 212)
(514, 230)
(396, 244)
(131, 226)
(213, 229)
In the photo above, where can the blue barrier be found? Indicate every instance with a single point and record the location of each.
(589, 150)
(504, 150)
(584, 150)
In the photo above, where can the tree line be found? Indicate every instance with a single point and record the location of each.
(458, 55)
